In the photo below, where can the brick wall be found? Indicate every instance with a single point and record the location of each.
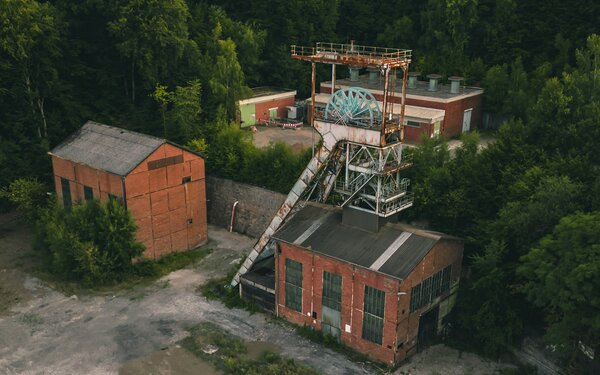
(79, 175)
(158, 200)
(413, 134)
(171, 215)
(255, 209)
(444, 253)
(262, 108)
(354, 280)
(400, 326)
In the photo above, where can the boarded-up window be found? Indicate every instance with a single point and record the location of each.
(88, 193)
(372, 328)
(66, 192)
(293, 284)
(332, 291)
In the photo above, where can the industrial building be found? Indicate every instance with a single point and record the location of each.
(265, 104)
(380, 293)
(461, 105)
(159, 182)
(351, 269)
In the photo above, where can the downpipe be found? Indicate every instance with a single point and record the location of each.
(232, 215)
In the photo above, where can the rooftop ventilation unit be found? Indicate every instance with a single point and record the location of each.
(433, 81)
(455, 84)
(412, 79)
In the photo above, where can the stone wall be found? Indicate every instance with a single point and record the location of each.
(255, 209)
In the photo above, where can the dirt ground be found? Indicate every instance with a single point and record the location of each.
(299, 139)
(135, 332)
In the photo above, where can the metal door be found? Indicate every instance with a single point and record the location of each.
(467, 120)
(330, 322)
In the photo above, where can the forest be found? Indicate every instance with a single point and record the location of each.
(528, 205)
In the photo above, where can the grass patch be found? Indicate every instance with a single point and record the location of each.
(144, 272)
(330, 342)
(219, 289)
(229, 357)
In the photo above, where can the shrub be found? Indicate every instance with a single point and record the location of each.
(93, 242)
(27, 194)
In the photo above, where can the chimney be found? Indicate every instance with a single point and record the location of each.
(412, 79)
(373, 73)
(455, 84)
(433, 81)
(354, 70)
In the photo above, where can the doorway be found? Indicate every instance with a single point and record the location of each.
(467, 120)
(428, 323)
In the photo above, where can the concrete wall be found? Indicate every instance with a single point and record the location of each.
(255, 209)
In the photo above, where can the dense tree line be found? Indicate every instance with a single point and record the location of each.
(527, 205)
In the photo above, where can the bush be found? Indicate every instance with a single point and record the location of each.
(27, 194)
(92, 242)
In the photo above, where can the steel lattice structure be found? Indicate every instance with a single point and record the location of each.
(361, 157)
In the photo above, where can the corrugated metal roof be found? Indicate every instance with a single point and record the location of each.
(354, 245)
(107, 148)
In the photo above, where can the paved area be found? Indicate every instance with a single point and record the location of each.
(299, 139)
(43, 331)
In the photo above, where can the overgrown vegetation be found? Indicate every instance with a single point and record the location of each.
(332, 343)
(219, 289)
(92, 243)
(229, 357)
(176, 68)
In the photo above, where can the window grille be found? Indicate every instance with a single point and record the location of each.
(446, 278)
(88, 193)
(66, 192)
(332, 291)
(293, 284)
(374, 307)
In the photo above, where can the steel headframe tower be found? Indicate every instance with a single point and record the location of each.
(360, 137)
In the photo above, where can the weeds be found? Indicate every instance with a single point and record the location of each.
(230, 351)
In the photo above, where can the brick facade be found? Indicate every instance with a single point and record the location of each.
(453, 119)
(262, 108)
(400, 327)
(170, 214)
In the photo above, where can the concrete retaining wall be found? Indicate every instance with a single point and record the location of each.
(255, 209)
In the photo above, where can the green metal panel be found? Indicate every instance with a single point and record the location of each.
(272, 113)
(248, 115)
(293, 284)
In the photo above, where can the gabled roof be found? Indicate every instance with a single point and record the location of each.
(107, 148)
(395, 250)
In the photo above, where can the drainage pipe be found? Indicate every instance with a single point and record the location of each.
(233, 215)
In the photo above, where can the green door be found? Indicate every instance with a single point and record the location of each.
(272, 113)
(247, 115)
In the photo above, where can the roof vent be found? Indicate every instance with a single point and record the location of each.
(433, 81)
(354, 73)
(455, 84)
(373, 73)
(412, 79)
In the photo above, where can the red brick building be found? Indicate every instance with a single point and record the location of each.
(160, 183)
(266, 103)
(419, 120)
(382, 293)
(462, 105)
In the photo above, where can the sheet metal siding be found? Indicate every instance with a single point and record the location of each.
(354, 245)
(107, 148)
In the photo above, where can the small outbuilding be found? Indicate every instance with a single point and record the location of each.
(159, 182)
(267, 103)
(383, 289)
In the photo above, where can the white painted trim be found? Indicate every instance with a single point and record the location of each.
(266, 98)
